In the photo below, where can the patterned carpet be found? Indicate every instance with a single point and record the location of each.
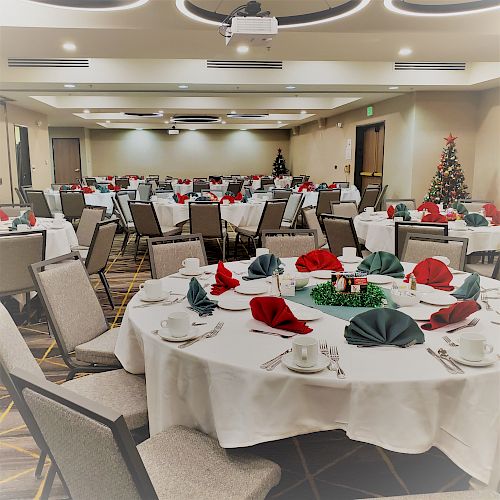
(324, 465)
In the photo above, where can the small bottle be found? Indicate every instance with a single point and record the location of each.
(275, 285)
(413, 282)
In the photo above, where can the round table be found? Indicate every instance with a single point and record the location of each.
(347, 194)
(220, 189)
(400, 399)
(378, 234)
(95, 199)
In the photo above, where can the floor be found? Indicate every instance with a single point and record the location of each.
(324, 465)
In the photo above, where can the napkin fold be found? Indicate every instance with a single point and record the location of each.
(322, 186)
(102, 189)
(382, 263)
(180, 198)
(224, 280)
(230, 198)
(3, 216)
(316, 260)
(238, 197)
(401, 207)
(27, 218)
(460, 208)
(470, 288)
(433, 217)
(489, 209)
(405, 214)
(383, 327)
(475, 220)
(432, 272)
(390, 212)
(332, 186)
(263, 266)
(198, 300)
(452, 314)
(429, 206)
(87, 190)
(274, 312)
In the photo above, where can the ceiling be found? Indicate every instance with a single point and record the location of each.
(138, 59)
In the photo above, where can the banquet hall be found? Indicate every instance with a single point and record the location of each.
(250, 249)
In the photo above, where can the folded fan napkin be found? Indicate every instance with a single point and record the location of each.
(470, 288)
(383, 327)
(227, 197)
(452, 314)
(27, 218)
(203, 198)
(495, 219)
(431, 217)
(263, 266)
(475, 220)
(198, 300)
(102, 189)
(332, 186)
(401, 207)
(180, 198)
(460, 208)
(87, 190)
(322, 186)
(405, 214)
(429, 206)
(316, 260)
(3, 216)
(390, 212)
(223, 280)
(274, 312)
(382, 263)
(432, 272)
(489, 209)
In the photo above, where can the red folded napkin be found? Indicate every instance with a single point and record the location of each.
(223, 280)
(495, 218)
(112, 187)
(489, 209)
(187, 181)
(390, 212)
(109, 178)
(181, 198)
(227, 197)
(434, 217)
(332, 186)
(31, 218)
(255, 177)
(238, 197)
(429, 206)
(307, 186)
(274, 312)
(74, 187)
(452, 314)
(180, 181)
(3, 216)
(432, 272)
(316, 260)
(87, 190)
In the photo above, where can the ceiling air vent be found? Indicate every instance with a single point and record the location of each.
(144, 115)
(248, 116)
(195, 119)
(429, 66)
(245, 64)
(16, 62)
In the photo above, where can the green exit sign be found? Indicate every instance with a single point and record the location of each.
(369, 111)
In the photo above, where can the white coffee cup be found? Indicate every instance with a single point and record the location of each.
(349, 252)
(153, 289)
(191, 263)
(369, 210)
(261, 251)
(305, 351)
(59, 216)
(178, 323)
(473, 346)
(23, 227)
(399, 219)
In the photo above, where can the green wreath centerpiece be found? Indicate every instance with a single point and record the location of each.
(326, 295)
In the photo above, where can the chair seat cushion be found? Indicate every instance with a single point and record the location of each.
(247, 230)
(185, 464)
(75, 248)
(170, 231)
(100, 350)
(480, 268)
(117, 389)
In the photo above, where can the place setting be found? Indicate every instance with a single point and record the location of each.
(152, 293)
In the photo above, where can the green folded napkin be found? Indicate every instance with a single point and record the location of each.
(203, 198)
(23, 219)
(382, 263)
(383, 327)
(322, 186)
(102, 189)
(198, 300)
(403, 213)
(460, 208)
(401, 207)
(263, 266)
(475, 220)
(470, 288)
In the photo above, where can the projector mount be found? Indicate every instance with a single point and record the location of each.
(251, 9)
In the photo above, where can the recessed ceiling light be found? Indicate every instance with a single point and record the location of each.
(193, 129)
(139, 129)
(290, 87)
(303, 112)
(223, 123)
(166, 121)
(108, 121)
(243, 129)
(456, 8)
(243, 49)
(279, 123)
(393, 88)
(183, 87)
(405, 51)
(69, 46)
(69, 86)
(86, 111)
(233, 112)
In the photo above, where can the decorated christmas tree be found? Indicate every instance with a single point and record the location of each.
(279, 166)
(448, 184)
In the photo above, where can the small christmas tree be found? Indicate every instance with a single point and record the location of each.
(448, 184)
(279, 166)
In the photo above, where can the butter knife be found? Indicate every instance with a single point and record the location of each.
(442, 361)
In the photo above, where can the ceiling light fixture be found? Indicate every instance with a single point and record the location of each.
(193, 129)
(242, 49)
(393, 88)
(405, 51)
(290, 87)
(279, 123)
(69, 86)
(223, 123)
(108, 121)
(139, 129)
(86, 111)
(69, 46)
(96, 5)
(183, 87)
(410, 8)
(303, 112)
(243, 129)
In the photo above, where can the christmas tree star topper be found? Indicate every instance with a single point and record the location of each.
(450, 139)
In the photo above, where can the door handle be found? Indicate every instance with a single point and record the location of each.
(77, 170)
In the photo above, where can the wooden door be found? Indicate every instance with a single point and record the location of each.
(373, 156)
(67, 163)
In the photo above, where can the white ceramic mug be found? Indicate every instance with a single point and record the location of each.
(59, 216)
(191, 263)
(152, 289)
(399, 219)
(473, 346)
(178, 323)
(305, 351)
(369, 210)
(349, 252)
(261, 251)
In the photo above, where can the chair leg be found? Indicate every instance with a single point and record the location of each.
(49, 480)
(71, 375)
(236, 241)
(40, 464)
(105, 283)
(137, 239)
(125, 241)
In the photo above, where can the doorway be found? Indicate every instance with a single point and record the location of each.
(369, 161)
(66, 159)
(23, 161)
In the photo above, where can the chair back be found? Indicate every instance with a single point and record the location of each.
(91, 215)
(341, 185)
(474, 205)
(36, 198)
(410, 203)
(369, 198)
(90, 181)
(88, 442)
(266, 183)
(21, 195)
(297, 181)
(345, 209)
(145, 218)
(293, 206)
(234, 187)
(217, 178)
(402, 229)
(248, 192)
(100, 246)
(15, 209)
(56, 187)
(144, 191)
(340, 233)
(122, 182)
(282, 194)
(290, 242)
(164, 194)
(419, 247)
(18, 250)
(167, 186)
(205, 219)
(123, 199)
(73, 203)
(378, 203)
(167, 253)
(153, 177)
(272, 215)
(200, 186)
(118, 213)
(311, 221)
(325, 198)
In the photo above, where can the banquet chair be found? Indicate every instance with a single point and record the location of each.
(177, 463)
(205, 219)
(341, 184)
(90, 181)
(127, 226)
(306, 177)
(248, 192)
(271, 218)
(297, 181)
(402, 229)
(72, 203)
(21, 195)
(36, 198)
(164, 194)
(234, 187)
(369, 198)
(282, 194)
(56, 187)
(325, 198)
(153, 177)
(167, 186)
(410, 203)
(381, 196)
(167, 253)
(488, 269)
(199, 186)
(146, 222)
(91, 215)
(122, 182)
(290, 242)
(74, 315)
(15, 209)
(144, 191)
(344, 208)
(419, 247)
(340, 233)
(474, 205)
(266, 183)
(310, 220)
(292, 210)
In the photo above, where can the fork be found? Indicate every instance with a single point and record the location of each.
(449, 341)
(273, 363)
(471, 323)
(208, 335)
(335, 357)
(323, 347)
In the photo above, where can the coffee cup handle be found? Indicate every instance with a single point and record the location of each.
(183, 263)
(141, 286)
(303, 353)
(164, 323)
(488, 349)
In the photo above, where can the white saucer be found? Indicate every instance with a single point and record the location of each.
(144, 298)
(322, 274)
(252, 288)
(349, 260)
(232, 303)
(191, 272)
(488, 360)
(438, 299)
(323, 362)
(379, 279)
(192, 334)
(304, 313)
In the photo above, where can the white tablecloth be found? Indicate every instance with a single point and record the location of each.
(347, 194)
(279, 183)
(94, 199)
(220, 189)
(400, 399)
(378, 234)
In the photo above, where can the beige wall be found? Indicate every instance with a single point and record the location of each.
(189, 154)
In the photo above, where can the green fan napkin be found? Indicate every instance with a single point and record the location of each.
(460, 208)
(24, 219)
(382, 263)
(475, 220)
(203, 198)
(197, 298)
(404, 213)
(470, 288)
(263, 266)
(102, 189)
(383, 327)
(322, 186)
(401, 207)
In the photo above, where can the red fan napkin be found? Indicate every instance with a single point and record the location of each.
(3, 216)
(255, 177)
(307, 186)
(109, 178)
(495, 219)
(238, 197)
(429, 206)
(332, 186)
(434, 273)
(434, 217)
(74, 187)
(87, 190)
(180, 181)
(316, 260)
(452, 314)
(390, 212)
(223, 280)
(31, 218)
(112, 187)
(227, 197)
(181, 198)
(187, 181)
(274, 312)
(489, 209)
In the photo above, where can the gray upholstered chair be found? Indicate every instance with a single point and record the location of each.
(311, 221)
(205, 219)
(266, 183)
(378, 203)
(234, 187)
(36, 198)
(15, 209)
(402, 229)
(178, 463)
(475, 205)
(292, 210)
(297, 181)
(340, 233)
(167, 253)
(127, 226)
(72, 203)
(122, 182)
(488, 269)
(410, 203)
(341, 184)
(282, 194)
(21, 195)
(369, 198)
(74, 315)
(419, 247)
(144, 191)
(199, 186)
(290, 242)
(345, 208)
(85, 231)
(90, 181)
(325, 198)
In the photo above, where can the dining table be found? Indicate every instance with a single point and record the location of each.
(94, 199)
(218, 189)
(401, 399)
(346, 194)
